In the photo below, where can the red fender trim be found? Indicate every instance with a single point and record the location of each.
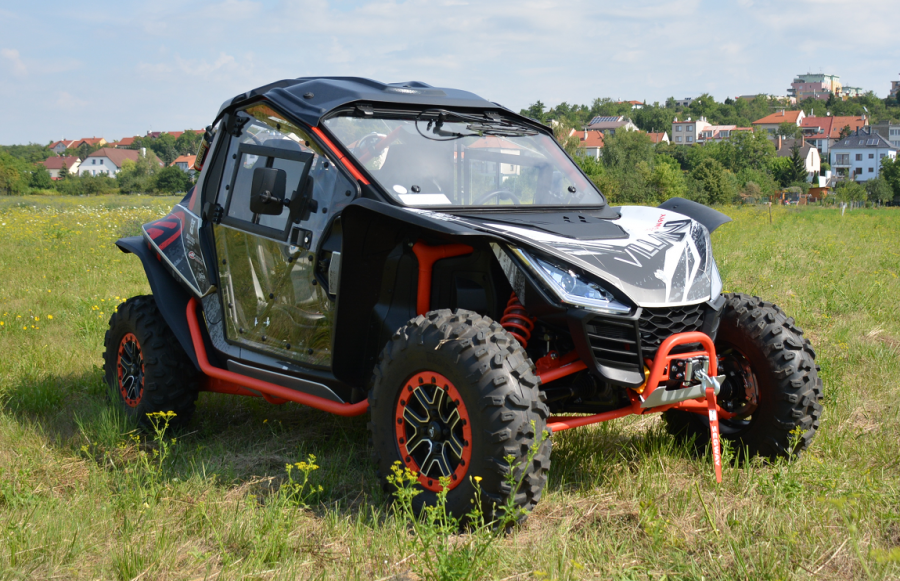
(264, 387)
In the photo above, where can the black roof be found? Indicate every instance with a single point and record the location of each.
(862, 138)
(309, 98)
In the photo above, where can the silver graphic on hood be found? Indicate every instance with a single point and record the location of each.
(666, 260)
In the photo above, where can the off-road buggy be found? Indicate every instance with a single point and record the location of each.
(439, 262)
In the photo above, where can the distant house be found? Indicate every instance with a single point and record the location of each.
(821, 132)
(771, 122)
(589, 142)
(55, 164)
(609, 125)
(715, 133)
(888, 130)
(895, 89)
(125, 142)
(815, 86)
(859, 156)
(107, 160)
(785, 148)
(92, 141)
(185, 163)
(634, 104)
(686, 102)
(59, 147)
(659, 137)
(687, 132)
(848, 92)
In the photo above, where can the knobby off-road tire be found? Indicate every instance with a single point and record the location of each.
(490, 373)
(145, 366)
(783, 364)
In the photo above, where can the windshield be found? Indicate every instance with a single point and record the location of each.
(443, 158)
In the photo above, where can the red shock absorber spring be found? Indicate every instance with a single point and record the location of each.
(517, 321)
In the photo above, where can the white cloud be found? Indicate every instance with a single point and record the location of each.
(15, 61)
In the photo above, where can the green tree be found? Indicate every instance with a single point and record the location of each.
(879, 190)
(715, 180)
(40, 178)
(164, 147)
(63, 172)
(850, 191)
(535, 111)
(667, 179)
(13, 174)
(797, 171)
(172, 180)
(788, 130)
(138, 177)
(188, 143)
(890, 172)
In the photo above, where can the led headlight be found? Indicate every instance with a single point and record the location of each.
(571, 287)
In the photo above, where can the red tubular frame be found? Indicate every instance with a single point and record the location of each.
(427, 256)
(235, 383)
(658, 372)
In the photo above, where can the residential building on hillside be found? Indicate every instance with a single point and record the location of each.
(888, 130)
(634, 104)
(125, 142)
(816, 86)
(589, 143)
(859, 156)
(895, 89)
(686, 102)
(659, 137)
(92, 141)
(821, 132)
(771, 122)
(59, 147)
(55, 164)
(719, 133)
(609, 125)
(687, 132)
(785, 148)
(106, 160)
(848, 92)
(185, 163)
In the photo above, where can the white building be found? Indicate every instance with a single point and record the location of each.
(859, 156)
(107, 160)
(688, 132)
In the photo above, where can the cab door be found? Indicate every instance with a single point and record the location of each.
(273, 301)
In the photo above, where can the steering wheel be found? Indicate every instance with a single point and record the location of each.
(499, 194)
(367, 142)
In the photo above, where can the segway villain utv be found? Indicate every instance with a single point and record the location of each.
(437, 261)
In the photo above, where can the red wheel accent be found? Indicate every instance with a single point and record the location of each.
(433, 430)
(130, 370)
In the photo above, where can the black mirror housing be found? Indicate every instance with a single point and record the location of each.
(267, 191)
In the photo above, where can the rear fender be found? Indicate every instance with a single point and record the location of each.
(170, 296)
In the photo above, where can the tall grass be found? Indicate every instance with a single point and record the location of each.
(80, 496)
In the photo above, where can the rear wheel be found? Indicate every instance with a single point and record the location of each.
(145, 366)
(771, 383)
(452, 397)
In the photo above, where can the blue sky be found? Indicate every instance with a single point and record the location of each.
(115, 69)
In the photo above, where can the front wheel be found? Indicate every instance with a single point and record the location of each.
(453, 397)
(771, 383)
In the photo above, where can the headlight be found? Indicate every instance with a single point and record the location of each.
(573, 288)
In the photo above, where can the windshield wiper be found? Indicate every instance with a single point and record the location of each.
(477, 125)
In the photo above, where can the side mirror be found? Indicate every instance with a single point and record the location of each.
(267, 191)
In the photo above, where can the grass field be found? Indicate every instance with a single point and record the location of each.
(82, 498)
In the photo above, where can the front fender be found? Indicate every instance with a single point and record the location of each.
(170, 296)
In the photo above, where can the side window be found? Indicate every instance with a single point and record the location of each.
(263, 127)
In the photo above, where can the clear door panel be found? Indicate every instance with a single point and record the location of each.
(273, 302)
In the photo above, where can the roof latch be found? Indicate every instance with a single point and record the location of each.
(365, 109)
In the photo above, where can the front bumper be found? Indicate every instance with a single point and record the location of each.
(616, 348)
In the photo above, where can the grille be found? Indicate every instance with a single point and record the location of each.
(614, 342)
(657, 324)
